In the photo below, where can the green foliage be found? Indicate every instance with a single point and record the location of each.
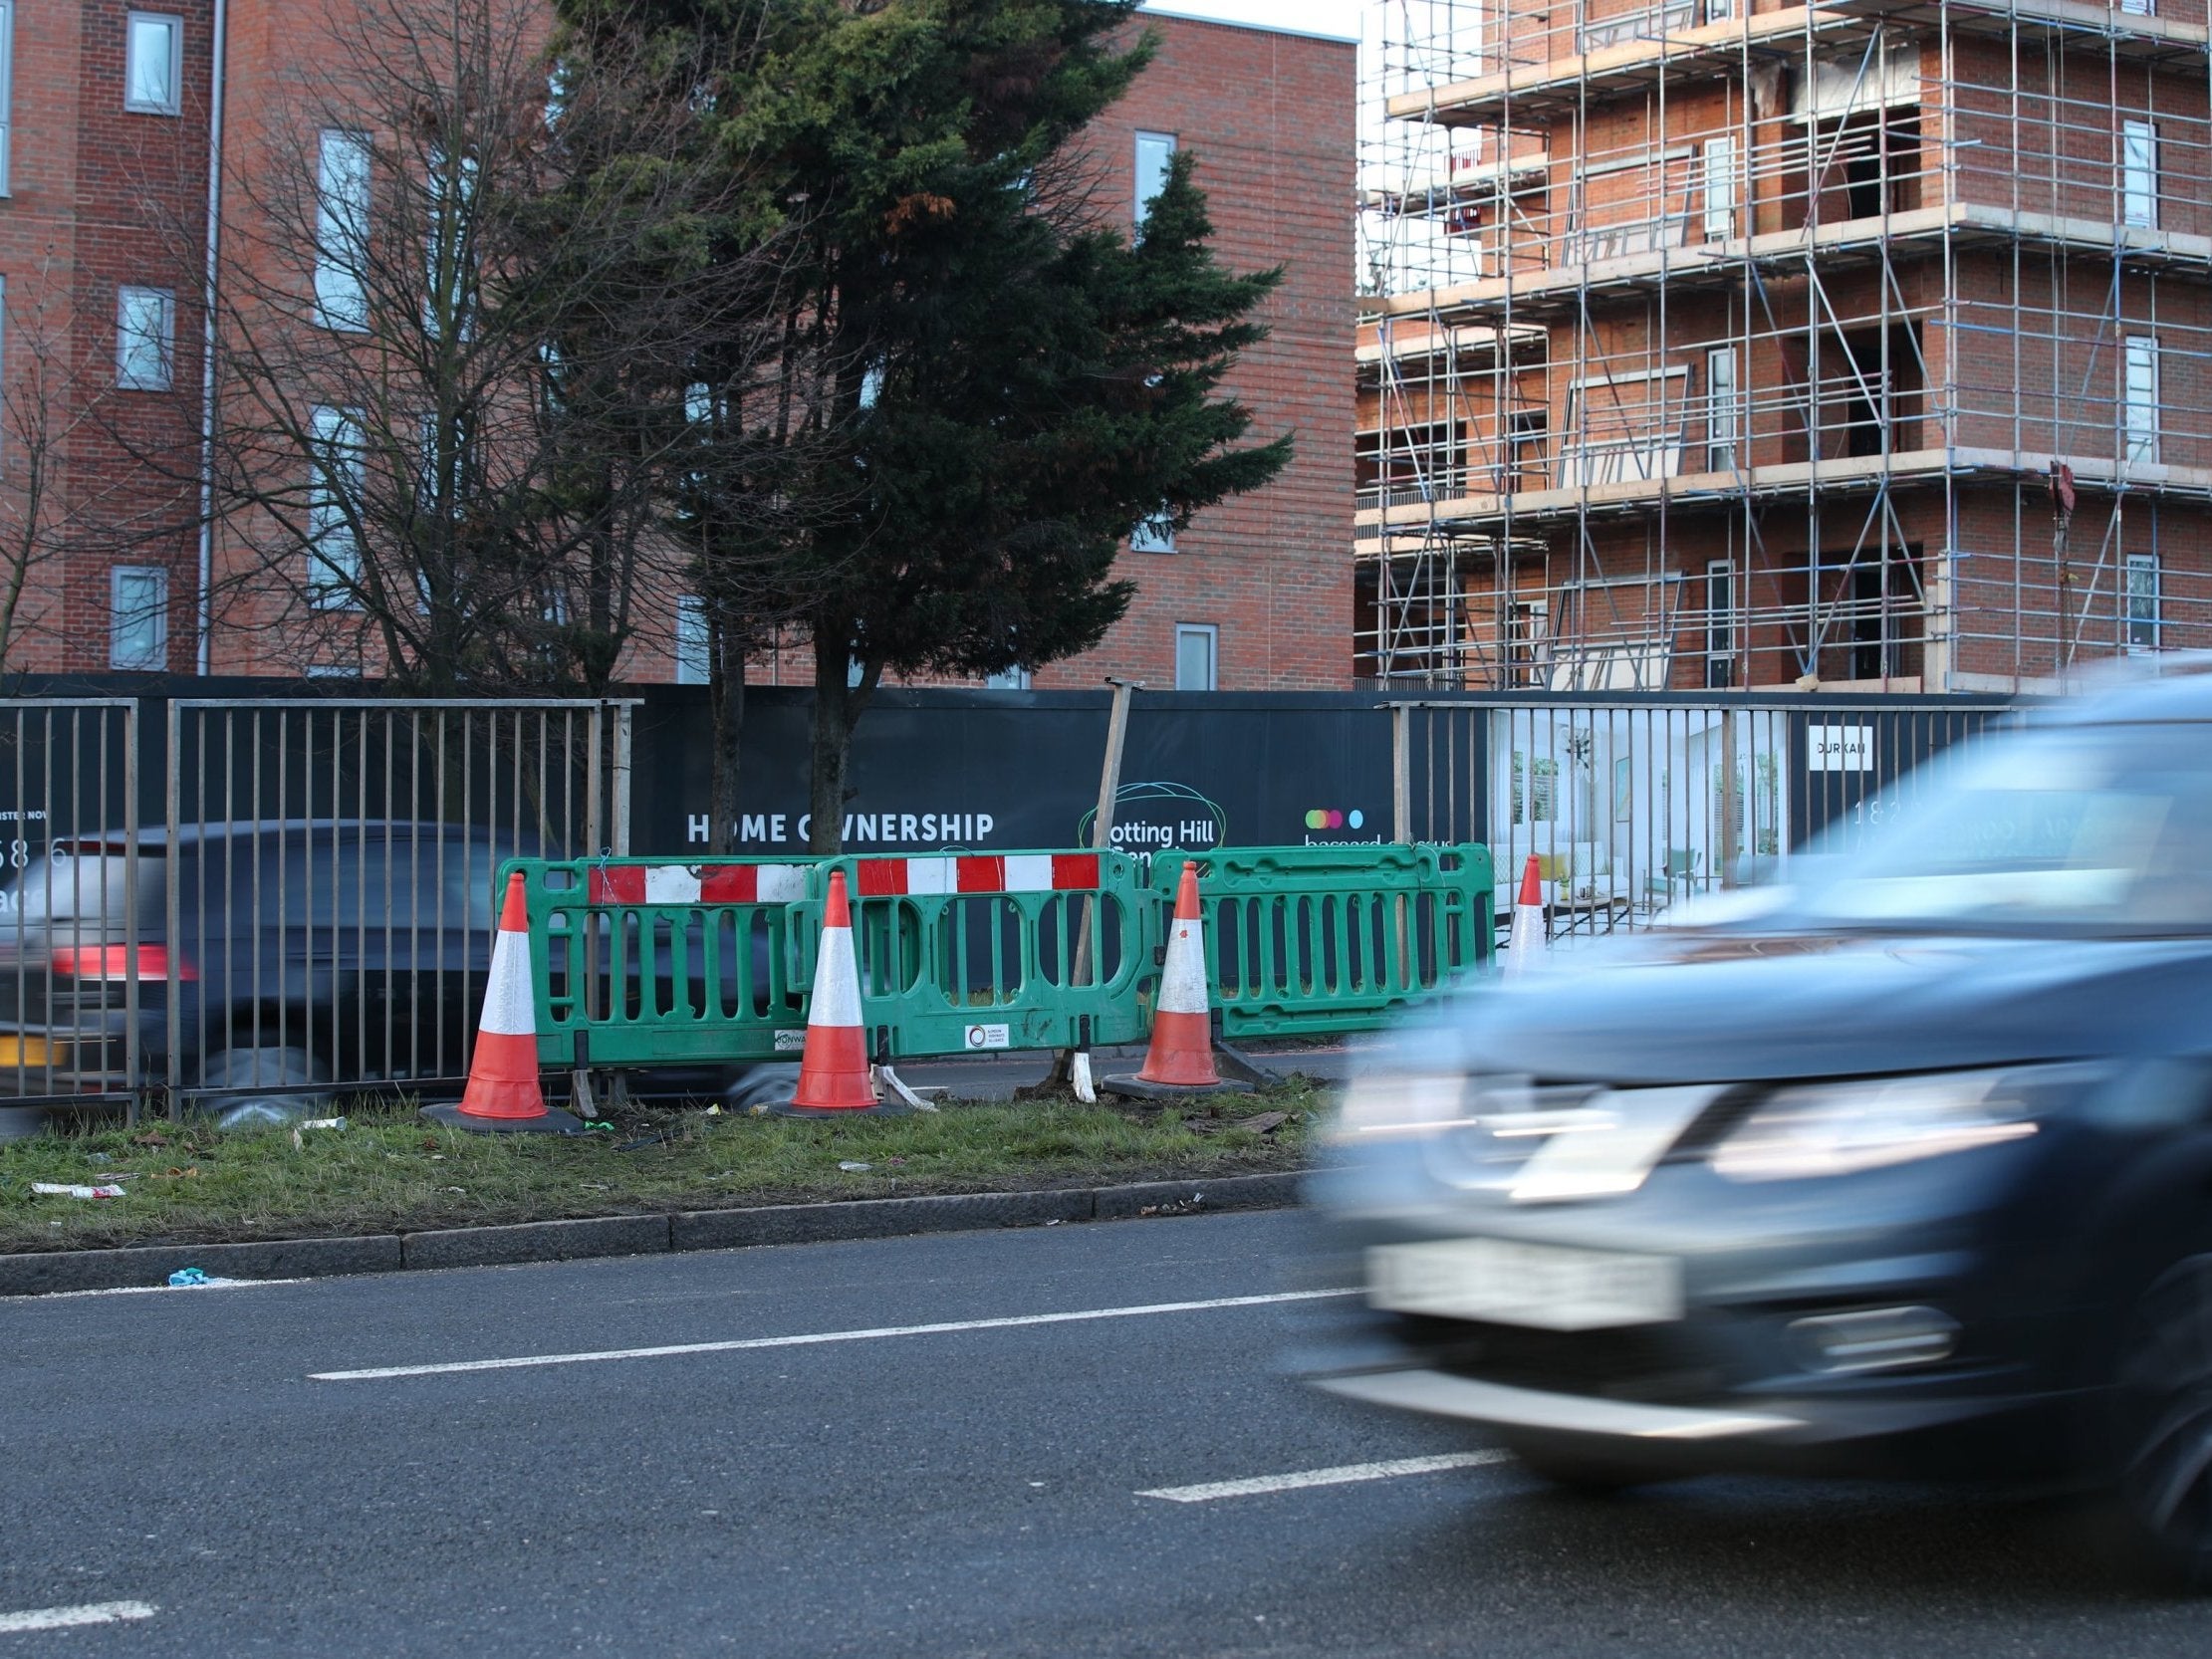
(983, 383)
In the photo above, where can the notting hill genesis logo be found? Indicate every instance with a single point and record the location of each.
(1328, 826)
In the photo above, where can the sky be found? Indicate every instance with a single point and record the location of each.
(1323, 17)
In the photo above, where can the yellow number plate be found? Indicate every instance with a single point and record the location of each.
(23, 1050)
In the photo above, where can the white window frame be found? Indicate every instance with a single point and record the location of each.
(2142, 603)
(153, 657)
(1719, 168)
(1724, 411)
(1721, 612)
(341, 207)
(2139, 395)
(1657, 446)
(1155, 533)
(2138, 8)
(338, 464)
(7, 92)
(1210, 635)
(1015, 678)
(694, 644)
(1162, 146)
(135, 343)
(171, 27)
(2138, 173)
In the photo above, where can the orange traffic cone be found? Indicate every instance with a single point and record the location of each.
(833, 1072)
(1528, 920)
(1180, 1057)
(503, 1092)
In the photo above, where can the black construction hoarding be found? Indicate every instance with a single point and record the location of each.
(943, 768)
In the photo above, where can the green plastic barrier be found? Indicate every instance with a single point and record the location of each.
(1308, 940)
(654, 962)
(963, 953)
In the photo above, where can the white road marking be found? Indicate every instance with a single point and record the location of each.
(813, 1338)
(1344, 1474)
(150, 1289)
(62, 1618)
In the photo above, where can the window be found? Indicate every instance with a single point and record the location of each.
(2138, 173)
(145, 339)
(2136, 7)
(694, 642)
(1155, 533)
(342, 230)
(1724, 415)
(137, 619)
(448, 246)
(1197, 656)
(2140, 399)
(1155, 150)
(1007, 680)
(334, 548)
(1720, 187)
(153, 63)
(7, 87)
(1720, 625)
(2139, 620)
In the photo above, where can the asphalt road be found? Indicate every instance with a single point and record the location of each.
(966, 1491)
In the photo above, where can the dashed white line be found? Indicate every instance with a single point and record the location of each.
(64, 1618)
(671, 1350)
(1344, 1474)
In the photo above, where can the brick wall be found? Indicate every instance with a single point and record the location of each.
(99, 197)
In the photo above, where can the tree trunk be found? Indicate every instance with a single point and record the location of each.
(833, 735)
(726, 692)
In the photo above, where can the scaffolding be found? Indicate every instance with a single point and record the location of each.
(1738, 344)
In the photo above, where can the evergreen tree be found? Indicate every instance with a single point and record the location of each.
(983, 384)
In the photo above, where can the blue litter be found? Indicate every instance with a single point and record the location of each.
(189, 1276)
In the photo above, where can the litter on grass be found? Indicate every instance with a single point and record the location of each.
(853, 1167)
(62, 1189)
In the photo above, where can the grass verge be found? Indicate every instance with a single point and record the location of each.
(389, 1172)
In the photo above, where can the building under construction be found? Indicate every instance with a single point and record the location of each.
(1742, 343)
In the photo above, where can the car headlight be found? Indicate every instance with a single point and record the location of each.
(1399, 1105)
(1842, 1128)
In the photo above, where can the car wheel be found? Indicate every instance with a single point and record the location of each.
(239, 1071)
(756, 1088)
(1576, 1468)
(2163, 1401)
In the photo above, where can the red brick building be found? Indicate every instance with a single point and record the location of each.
(1716, 343)
(109, 114)
(105, 118)
(1254, 595)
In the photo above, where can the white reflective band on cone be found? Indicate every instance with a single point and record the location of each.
(508, 1006)
(1182, 986)
(836, 982)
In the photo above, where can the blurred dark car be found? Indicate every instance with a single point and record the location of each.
(1905, 1168)
(300, 954)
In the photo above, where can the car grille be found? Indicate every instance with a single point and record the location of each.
(1657, 1364)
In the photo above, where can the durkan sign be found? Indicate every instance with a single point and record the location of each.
(1838, 747)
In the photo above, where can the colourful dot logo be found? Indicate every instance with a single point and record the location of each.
(1323, 818)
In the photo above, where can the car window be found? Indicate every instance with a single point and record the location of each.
(85, 890)
(2082, 827)
(374, 883)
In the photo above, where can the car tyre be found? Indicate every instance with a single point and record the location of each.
(1577, 1468)
(261, 1065)
(2164, 1406)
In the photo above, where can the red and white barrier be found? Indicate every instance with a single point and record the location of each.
(978, 872)
(697, 884)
